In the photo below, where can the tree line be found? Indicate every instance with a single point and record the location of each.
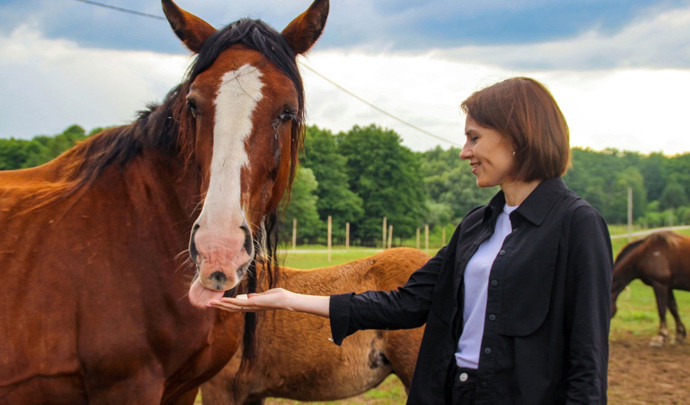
(364, 174)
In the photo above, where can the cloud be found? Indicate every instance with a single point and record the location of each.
(50, 84)
(657, 41)
(627, 109)
(616, 32)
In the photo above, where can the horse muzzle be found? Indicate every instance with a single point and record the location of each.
(221, 259)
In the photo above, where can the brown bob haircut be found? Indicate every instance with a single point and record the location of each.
(525, 112)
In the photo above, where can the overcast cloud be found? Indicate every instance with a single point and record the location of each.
(619, 69)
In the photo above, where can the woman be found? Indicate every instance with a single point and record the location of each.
(516, 306)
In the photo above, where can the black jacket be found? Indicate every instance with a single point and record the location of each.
(546, 332)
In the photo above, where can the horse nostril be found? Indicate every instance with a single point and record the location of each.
(218, 277)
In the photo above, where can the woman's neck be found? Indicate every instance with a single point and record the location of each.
(517, 191)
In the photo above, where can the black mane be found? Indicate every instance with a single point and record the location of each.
(627, 249)
(257, 35)
(159, 125)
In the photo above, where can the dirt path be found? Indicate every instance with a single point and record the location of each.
(640, 374)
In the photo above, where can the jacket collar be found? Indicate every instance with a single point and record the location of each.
(536, 206)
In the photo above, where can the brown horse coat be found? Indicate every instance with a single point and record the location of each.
(94, 270)
(295, 357)
(662, 261)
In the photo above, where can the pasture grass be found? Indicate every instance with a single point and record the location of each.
(315, 257)
(636, 314)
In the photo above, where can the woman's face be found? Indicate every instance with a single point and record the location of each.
(490, 154)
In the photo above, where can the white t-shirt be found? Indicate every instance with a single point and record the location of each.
(476, 279)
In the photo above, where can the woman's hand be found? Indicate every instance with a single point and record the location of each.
(275, 298)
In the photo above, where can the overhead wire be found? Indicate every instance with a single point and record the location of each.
(336, 85)
(374, 106)
(124, 10)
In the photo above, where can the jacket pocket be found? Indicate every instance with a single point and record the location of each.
(526, 287)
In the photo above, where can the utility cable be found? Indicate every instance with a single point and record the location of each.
(124, 10)
(376, 107)
(341, 88)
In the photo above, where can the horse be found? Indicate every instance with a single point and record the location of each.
(110, 252)
(295, 358)
(662, 261)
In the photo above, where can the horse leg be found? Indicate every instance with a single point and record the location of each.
(661, 294)
(673, 307)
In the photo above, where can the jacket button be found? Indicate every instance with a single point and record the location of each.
(492, 317)
(487, 350)
(494, 283)
(502, 252)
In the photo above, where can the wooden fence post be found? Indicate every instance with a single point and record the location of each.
(630, 213)
(417, 238)
(426, 236)
(383, 245)
(347, 235)
(294, 233)
(390, 236)
(330, 228)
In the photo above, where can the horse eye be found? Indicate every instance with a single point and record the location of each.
(191, 106)
(285, 116)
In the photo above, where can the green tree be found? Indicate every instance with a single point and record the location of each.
(302, 206)
(45, 148)
(673, 196)
(387, 177)
(617, 208)
(13, 153)
(653, 170)
(330, 170)
(448, 180)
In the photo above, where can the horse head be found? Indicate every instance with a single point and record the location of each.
(245, 107)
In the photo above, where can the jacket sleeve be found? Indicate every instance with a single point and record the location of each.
(588, 300)
(406, 307)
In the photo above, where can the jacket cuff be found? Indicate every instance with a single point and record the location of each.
(339, 314)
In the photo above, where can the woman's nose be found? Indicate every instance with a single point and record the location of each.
(466, 152)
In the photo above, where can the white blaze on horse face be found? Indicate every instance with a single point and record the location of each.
(220, 238)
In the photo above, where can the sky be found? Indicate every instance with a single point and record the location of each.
(619, 69)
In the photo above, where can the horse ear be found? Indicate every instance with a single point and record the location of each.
(304, 30)
(192, 30)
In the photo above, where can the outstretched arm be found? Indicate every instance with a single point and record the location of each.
(276, 298)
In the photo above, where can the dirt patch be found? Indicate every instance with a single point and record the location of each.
(638, 375)
(641, 374)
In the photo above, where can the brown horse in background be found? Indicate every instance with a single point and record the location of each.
(662, 261)
(95, 298)
(295, 358)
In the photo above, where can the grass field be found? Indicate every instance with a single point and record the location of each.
(636, 308)
(636, 305)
